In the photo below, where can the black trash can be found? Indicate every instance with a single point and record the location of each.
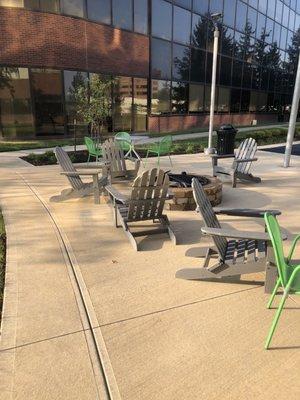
(225, 139)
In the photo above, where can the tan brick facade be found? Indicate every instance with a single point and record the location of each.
(30, 38)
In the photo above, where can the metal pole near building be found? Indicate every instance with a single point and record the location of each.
(210, 149)
(293, 119)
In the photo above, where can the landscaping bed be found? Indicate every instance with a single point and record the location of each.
(190, 146)
(2, 260)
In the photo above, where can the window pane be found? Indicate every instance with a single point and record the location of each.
(201, 6)
(122, 96)
(245, 100)
(160, 98)
(251, 19)
(73, 7)
(12, 3)
(141, 16)
(184, 3)
(235, 96)
(15, 103)
(99, 10)
(162, 19)
(161, 59)
(179, 97)
(216, 6)
(73, 80)
(181, 62)
(140, 89)
(199, 31)
(223, 100)
(227, 41)
(32, 4)
(182, 25)
(225, 71)
(122, 14)
(197, 65)
(237, 68)
(48, 101)
(196, 98)
(241, 12)
(229, 15)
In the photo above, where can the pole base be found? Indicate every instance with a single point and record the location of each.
(209, 150)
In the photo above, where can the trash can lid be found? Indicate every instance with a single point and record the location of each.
(227, 127)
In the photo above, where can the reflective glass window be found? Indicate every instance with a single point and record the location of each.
(279, 11)
(283, 38)
(245, 100)
(161, 59)
(225, 71)
(253, 3)
(199, 31)
(262, 6)
(276, 34)
(181, 62)
(227, 41)
(12, 3)
(99, 10)
(73, 82)
(184, 3)
(122, 103)
(223, 100)
(182, 25)
(247, 75)
(285, 15)
(251, 19)
(261, 24)
(237, 68)
(140, 90)
(201, 6)
(122, 14)
(160, 97)
(162, 19)
(196, 98)
(141, 16)
(235, 98)
(15, 103)
(241, 14)
(47, 89)
(216, 6)
(197, 65)
(42, 5)
(229, 14)
(179, 98)
(271, 8)
(72, 7)
(269, 30)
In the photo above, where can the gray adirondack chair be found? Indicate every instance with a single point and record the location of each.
(78, 187)
(113, 155)
(240, 168)
(236, 252)
(146, 203)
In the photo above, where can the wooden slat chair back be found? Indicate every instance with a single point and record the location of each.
(114, 155)
(246, 150)
(145, 203)
(67, 166)
(209, 216)
(148, 196)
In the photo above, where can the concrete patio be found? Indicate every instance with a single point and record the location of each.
(160, 337)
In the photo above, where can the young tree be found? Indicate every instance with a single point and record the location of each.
(92, 100)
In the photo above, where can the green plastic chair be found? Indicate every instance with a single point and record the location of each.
(289, 274)
(162, 148)
(92, 149)
(125, 141)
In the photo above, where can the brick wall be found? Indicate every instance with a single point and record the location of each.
(31, 38)
(182, 122)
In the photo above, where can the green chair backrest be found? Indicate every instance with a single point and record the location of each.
(90, 145)
(165, 144)
(275, 236)
(124, 139)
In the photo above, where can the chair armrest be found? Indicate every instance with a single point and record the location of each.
(293, 247)
(117, 195)
(235, 234)
(242, 160)
(102, 164)
(219, 156)
(245, 212)
(81, 173)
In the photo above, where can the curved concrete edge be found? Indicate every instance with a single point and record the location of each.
(9, 312)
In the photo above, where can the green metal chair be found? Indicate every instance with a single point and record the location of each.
(162, 148)
(289, 273)
(92, 149)
(126, 144)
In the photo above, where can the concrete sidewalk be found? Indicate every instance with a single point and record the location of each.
(147, 140)
(166, 338)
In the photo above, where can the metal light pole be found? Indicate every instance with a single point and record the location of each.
(293, 119)
(215, 17)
